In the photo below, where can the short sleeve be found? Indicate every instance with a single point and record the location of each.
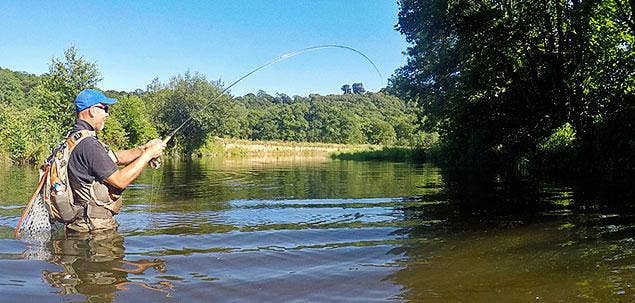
(99, 164)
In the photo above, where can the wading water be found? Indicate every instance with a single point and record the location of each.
(330, 231)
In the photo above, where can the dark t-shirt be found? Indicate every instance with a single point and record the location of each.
(89, 160)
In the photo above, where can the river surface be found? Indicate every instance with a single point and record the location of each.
(264, 230)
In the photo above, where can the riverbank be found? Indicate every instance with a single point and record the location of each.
(386, 153)
(238, 148)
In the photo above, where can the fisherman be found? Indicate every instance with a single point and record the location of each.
(93, 174)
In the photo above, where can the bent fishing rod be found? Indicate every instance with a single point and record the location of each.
(156, 163)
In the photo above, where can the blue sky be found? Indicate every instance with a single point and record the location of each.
(134, 41)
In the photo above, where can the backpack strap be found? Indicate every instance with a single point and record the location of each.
(61, 155)
(56, 176)
(73, 138)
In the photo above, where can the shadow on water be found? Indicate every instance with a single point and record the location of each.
(511, 238)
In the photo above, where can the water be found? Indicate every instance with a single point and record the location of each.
(331, 231)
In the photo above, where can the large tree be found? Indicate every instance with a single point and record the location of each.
(66, 78)
(497, 77)
(192, 96)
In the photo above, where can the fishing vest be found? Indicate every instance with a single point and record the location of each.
(68, 202)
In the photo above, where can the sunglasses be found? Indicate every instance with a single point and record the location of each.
(104, 107)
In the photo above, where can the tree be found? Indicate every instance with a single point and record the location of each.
(10, 88)
(358, 88)
(282, 98)
(133, 118)
(496, 78)
(346, 89)
(191, 96)
(66, 78)
(26, 134)
(381, 132)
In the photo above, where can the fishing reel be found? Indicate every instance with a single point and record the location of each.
(155, 163)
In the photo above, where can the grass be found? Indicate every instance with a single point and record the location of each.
(238, 148)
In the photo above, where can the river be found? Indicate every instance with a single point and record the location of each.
(266, 230)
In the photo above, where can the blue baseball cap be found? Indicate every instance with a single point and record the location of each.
(90, 97)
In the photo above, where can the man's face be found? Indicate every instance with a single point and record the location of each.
(100, 113)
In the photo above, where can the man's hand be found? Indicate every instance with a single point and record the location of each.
(145, 146)
(123, 177)
(125, 157)
(154, 148)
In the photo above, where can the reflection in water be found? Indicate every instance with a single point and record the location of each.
(513, 239)
(93, 266)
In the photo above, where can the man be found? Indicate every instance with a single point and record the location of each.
(95, 179)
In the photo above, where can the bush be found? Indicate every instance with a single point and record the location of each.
(134, 119)
(114, 134)
(560, 141)
(27, 135)
(558, 151)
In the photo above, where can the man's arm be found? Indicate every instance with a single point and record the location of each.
(126, 157)
(123, 177)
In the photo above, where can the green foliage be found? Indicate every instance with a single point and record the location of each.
(394, 153)
(66, 78)
(10, 88)
(36, 111)
(210, 147)
(26, 134)
(114, 134)
(358, 88)
(370, 118)
(562, 139)
(192, 96)
(556, 152)
(497, 78)
(134, 119)
(424, 140)
(610, 146)
(331, 123)
(381, 132)
(31, 104)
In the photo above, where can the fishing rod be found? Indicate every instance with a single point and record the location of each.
(156, 162)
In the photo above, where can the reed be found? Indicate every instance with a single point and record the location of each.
(239, 148)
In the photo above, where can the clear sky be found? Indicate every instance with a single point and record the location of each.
(133, 42)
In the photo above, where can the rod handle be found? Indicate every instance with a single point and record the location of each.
(156, 162)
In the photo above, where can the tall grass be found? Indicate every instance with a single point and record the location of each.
(239, 148)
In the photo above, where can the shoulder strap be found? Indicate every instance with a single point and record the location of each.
(75, 137)
(57, 182)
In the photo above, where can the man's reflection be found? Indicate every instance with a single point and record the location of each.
(93, 265)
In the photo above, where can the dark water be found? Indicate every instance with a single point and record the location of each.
(332, 231)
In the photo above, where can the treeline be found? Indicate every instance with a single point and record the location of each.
(36, 111)
(374, 118)
(530, 84)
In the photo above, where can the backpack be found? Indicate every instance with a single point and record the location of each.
(57, 192)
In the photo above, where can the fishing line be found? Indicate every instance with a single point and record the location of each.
(155, 163)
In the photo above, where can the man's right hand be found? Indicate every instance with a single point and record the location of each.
(154, 148)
